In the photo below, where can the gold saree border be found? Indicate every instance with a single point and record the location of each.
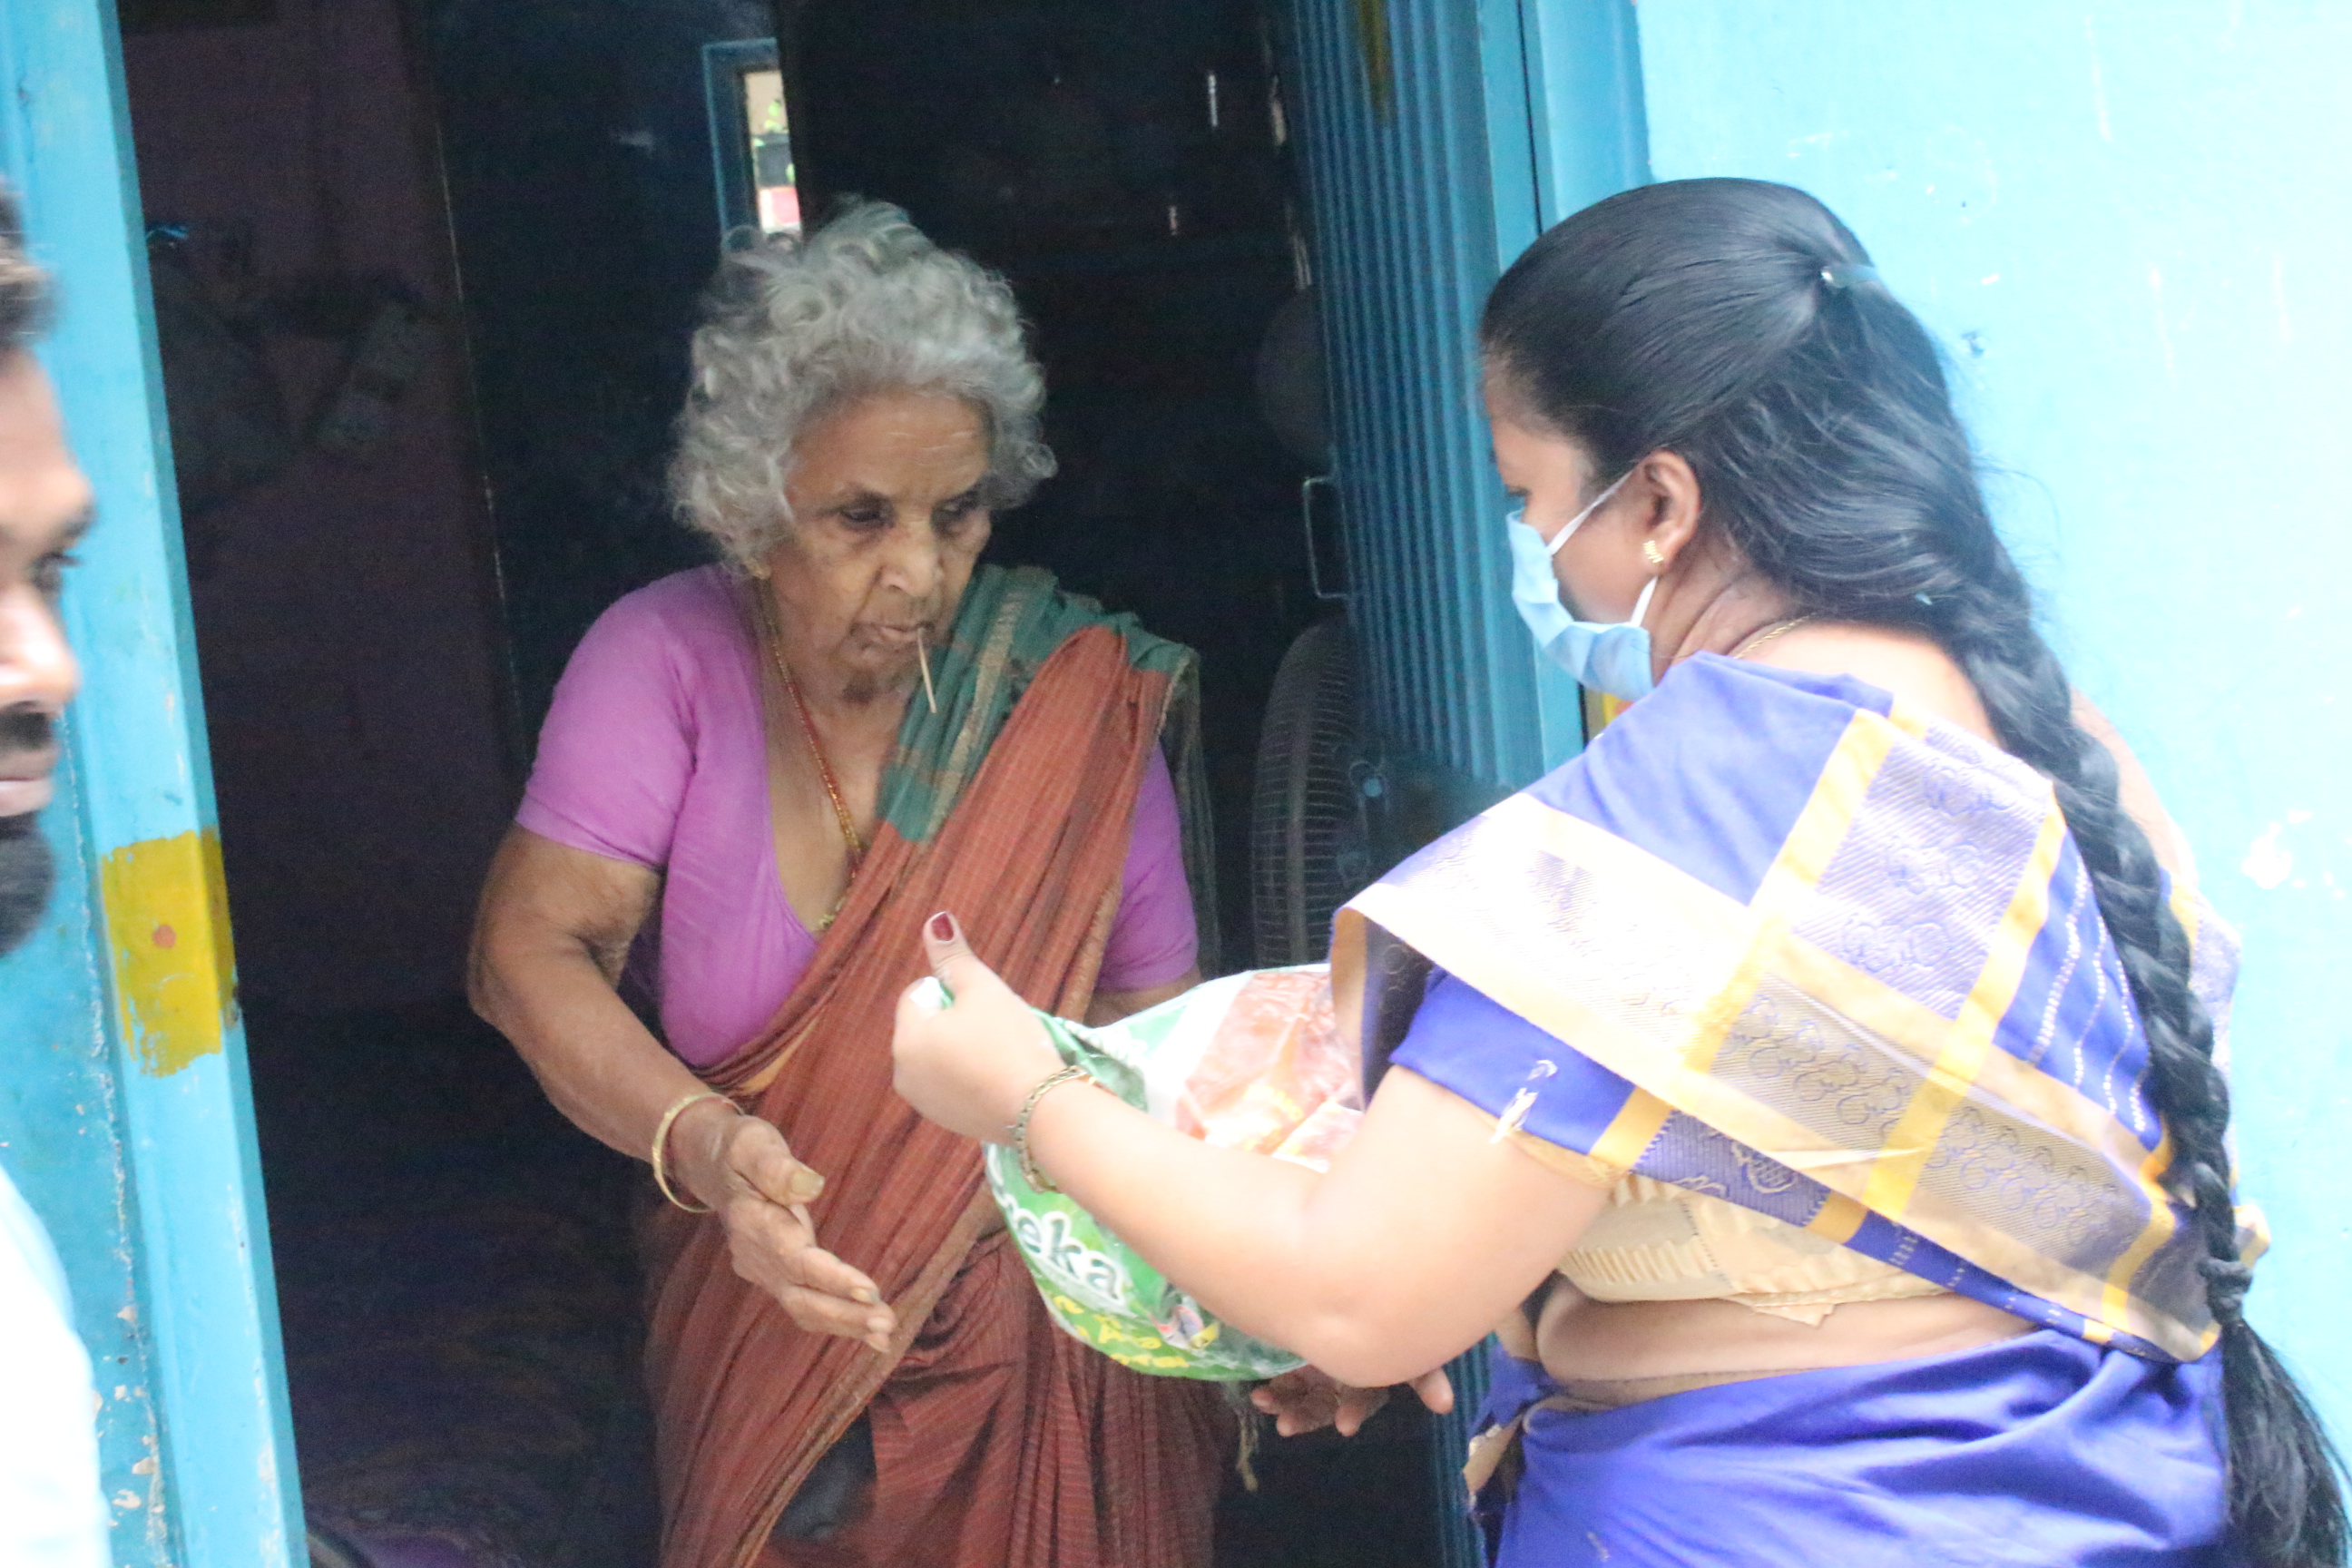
(1971, 1042)
(1725, 951)
(1821, 827)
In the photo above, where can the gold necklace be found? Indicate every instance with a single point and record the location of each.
(772, 635)
(1757, 639)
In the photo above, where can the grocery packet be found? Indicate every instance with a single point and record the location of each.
(1251, 1061)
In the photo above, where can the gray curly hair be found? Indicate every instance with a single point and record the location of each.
(793, 329)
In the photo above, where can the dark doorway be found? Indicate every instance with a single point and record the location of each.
(456, 1285)
(426, 270)
(1124, 168)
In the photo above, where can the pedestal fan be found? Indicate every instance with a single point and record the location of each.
(1313, 804)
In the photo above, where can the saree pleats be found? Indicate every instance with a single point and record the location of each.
(997, 1442)
(1026, 1478)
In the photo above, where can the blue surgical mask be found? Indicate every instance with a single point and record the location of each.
(1607, 656)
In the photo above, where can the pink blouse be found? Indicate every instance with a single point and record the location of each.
(653, 753)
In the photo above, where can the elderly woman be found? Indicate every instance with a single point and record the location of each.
(1818, 1075)
(757, 779)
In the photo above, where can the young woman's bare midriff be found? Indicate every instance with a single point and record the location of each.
(1584, 1342)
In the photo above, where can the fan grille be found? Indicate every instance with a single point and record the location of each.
(1309, 845)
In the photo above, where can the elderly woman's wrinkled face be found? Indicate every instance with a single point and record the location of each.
(888, 525)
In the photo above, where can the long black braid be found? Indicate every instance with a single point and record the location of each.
(1737, 323)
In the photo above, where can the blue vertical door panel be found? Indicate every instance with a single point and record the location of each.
(128, 1107)
(1394, 108)
(1440, 137)
(1401, 171)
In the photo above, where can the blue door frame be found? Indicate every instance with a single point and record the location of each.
(1432, 156)
(126, 1115)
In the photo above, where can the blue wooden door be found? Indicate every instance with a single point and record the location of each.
(124, 1111)
(1440, 137)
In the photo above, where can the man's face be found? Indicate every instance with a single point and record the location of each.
(44, 508)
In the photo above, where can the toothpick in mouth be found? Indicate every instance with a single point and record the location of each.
(924, 659)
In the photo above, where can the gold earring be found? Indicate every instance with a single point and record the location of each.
(1652, 553)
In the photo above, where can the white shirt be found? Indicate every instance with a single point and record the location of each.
(52, 1512)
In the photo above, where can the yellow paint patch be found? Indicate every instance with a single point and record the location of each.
(167, 904)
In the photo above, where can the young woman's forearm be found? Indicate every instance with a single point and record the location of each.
(1427, 1228)
(1368, 1272)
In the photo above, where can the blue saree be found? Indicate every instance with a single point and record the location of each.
(1780, 938)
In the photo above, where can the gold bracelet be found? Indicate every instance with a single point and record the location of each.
(1029, 1171)
(661, 1139)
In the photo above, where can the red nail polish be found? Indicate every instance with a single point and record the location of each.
(943, 927)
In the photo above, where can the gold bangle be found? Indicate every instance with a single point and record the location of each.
(1029, 1171)
(661, 1140)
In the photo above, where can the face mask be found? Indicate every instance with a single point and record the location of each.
(1608, 656)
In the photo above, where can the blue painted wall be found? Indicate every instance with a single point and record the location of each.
(126, 1109)
(2128, 223)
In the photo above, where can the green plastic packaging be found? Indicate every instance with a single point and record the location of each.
(1247, 1061)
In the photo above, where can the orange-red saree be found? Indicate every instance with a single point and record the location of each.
(999, 1442)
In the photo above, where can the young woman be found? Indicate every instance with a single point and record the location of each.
(1818, 1075)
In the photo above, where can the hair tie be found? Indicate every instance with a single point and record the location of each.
(1841, 276)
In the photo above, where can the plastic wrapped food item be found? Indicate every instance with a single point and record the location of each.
(1251, 1061)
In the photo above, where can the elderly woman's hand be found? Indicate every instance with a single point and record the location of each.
(1309, 1399)
(969, 1066)
(741, 1166)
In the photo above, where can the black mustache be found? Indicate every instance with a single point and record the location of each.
(25, 729)
(27, 873)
